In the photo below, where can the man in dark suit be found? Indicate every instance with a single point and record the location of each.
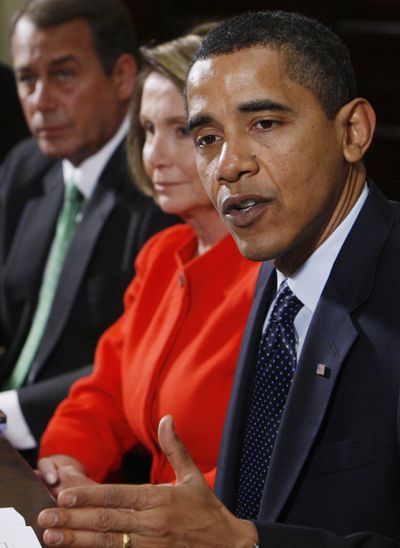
(311, 460)
(75, 69)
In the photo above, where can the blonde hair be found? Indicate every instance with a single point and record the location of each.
(172, 59)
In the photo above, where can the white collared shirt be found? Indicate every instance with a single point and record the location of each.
(85, 177)
(309, 280)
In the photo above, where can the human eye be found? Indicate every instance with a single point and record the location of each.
(64, 74)
(26, 79)
(147, 127)
(203, 141)
(265, 124)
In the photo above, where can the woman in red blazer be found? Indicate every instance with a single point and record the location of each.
(174, 350)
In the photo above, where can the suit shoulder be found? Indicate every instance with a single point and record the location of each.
(28, 150)
(395, 207)
(24, 163)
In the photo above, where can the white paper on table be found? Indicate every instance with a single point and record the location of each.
(9, 516)
(14, 533)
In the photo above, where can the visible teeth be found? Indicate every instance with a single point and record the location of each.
(246, 203)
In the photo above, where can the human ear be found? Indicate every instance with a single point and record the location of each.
(357, 120)
(124, 75)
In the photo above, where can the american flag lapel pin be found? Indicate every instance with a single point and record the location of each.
(322, 370)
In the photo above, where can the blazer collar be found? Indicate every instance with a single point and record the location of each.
(330, 337)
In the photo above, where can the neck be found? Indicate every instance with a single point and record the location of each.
(209, 228)
(345, 202)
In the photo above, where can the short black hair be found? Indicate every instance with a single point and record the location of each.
(109, 20)
(315, 57)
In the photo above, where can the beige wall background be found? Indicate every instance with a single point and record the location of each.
(7, 8)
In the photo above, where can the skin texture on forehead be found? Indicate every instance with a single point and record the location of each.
(262, 137)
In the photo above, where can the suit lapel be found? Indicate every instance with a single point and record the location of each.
(229, 456)
(307, 403)
(77, 259)
(34, 235)
(329, 340)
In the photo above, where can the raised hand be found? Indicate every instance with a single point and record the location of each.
(180, 515)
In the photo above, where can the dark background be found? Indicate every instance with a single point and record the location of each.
(370, 28)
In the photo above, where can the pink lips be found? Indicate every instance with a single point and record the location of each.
(243, 210)
(165, 186)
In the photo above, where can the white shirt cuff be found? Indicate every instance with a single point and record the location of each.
(17, 431)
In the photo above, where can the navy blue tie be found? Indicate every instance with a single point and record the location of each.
(276, 363)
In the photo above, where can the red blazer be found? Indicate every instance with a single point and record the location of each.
(173, 351)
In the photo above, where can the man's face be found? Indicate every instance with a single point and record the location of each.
(72, 107)
(270, 159)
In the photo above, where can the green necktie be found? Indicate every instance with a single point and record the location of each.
(65, 229)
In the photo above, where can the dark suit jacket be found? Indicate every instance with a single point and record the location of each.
(117, 221)
(334, 478)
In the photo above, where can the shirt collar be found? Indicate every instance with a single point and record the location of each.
(308, 282)
(86, 175)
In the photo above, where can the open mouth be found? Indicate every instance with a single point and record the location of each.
(246, 204)
(243, 211)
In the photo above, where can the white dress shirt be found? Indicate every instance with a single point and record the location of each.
(85, 177)
(309, 280)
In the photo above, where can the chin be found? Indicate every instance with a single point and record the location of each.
(56, 149)
(251, 252)
(171, 209)
(50, 150)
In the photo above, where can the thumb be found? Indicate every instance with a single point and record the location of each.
(48, 471)
(176, 453)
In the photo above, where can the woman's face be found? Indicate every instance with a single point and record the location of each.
(168, 150)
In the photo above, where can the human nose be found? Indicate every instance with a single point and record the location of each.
(158, 150)
(234, 162)
(42, 96)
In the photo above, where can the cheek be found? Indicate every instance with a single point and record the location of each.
(23, 99)
(89, 107)
(146, 161)
(189, 169)
(205, 171)
(199, 191)
(28, 109)
(185, 158)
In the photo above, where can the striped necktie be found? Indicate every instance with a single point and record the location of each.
(65, 229)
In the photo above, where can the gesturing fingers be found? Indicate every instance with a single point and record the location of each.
(83, 539)
(84, 527)
(138, 497)
(87, 539)
(176, 453)
(48, 471)
(95, 519)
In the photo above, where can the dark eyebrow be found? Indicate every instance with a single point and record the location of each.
(64, 59)
(249, 106)
(196, 121)
(53, 63)
(263, 104)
